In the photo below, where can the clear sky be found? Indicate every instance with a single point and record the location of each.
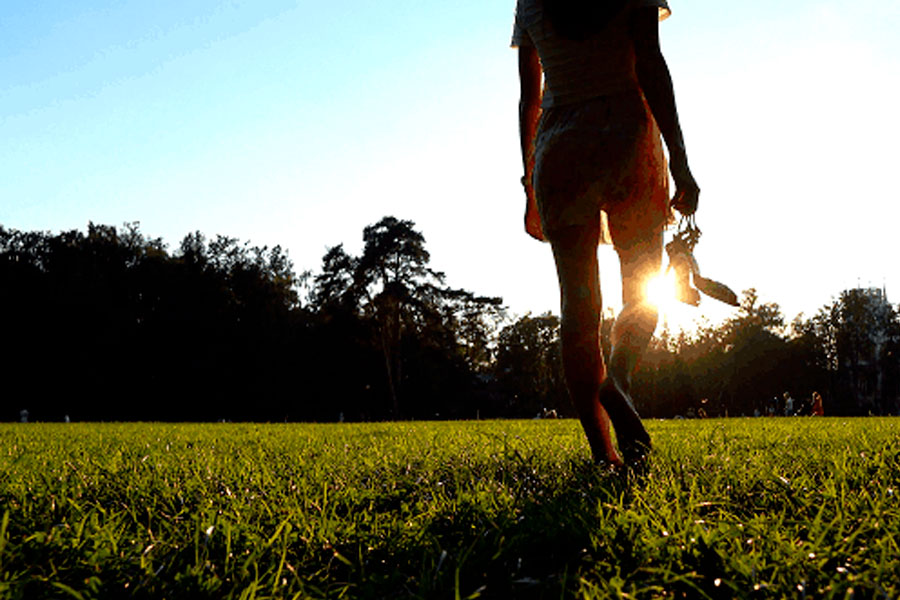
(299, 123)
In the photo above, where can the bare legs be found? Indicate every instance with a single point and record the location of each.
(635, 324)
(630, 335)
(598, 398)
(579, 284)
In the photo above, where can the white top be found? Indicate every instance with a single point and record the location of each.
(580, 70)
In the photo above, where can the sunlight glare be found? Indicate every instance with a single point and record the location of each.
(674, 315)
(661, 290)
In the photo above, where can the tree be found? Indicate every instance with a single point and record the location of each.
(399, 293)
(856, 340)
(726, 370)
(529, 365)
(112, 315)
(333, 287)
(430, 340)
(662, 385)
(474, 319)
(755, 359)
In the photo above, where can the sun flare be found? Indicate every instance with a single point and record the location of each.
(661, 291)
(674, 315)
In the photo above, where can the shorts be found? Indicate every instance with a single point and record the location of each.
(602, 161)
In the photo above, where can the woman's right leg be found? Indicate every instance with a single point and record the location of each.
(575, 253)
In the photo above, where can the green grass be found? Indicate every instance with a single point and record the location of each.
(729, 508)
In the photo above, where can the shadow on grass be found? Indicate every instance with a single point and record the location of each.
(534, 549)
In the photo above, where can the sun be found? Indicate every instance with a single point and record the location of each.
(674, 315)
(661, 291)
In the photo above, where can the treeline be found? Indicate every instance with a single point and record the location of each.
(111, 325)
(849, 352)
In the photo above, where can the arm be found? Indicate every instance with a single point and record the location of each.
(529, 105)
(529, 113)
(656, 83)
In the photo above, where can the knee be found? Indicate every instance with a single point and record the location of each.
(638, 318)
(641, 310)
(636, 289)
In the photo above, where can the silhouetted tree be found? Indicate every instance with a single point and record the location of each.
(474, 319)
(398, 293)
(856, 339)
(333, 286)
(529, 365)
(726, 370)
(109, 325)
(755, 352)
(662, 385)
(431, 340)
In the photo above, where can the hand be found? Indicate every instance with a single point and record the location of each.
(532, 217)
(687, 192)
(526, 185)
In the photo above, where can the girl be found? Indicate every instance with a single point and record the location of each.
(595, 173)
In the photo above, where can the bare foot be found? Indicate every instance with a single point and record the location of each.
(608, 462)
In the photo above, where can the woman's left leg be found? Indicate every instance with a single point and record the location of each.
(635, 325)
(640, 261)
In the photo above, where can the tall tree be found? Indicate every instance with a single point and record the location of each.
(112, 315)
(333, 286)
(474, 319)
(399, 292)
(857, 338)
(755, 352)
(430, 340)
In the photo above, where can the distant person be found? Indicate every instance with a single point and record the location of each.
(595, 173)
(701, 411)
(788, 405)
(817, 409)
(804, 407)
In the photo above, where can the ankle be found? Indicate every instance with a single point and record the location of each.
(606, 453)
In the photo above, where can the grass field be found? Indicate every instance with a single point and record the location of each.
(502, 509)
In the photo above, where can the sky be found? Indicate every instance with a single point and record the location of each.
(298, 123)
